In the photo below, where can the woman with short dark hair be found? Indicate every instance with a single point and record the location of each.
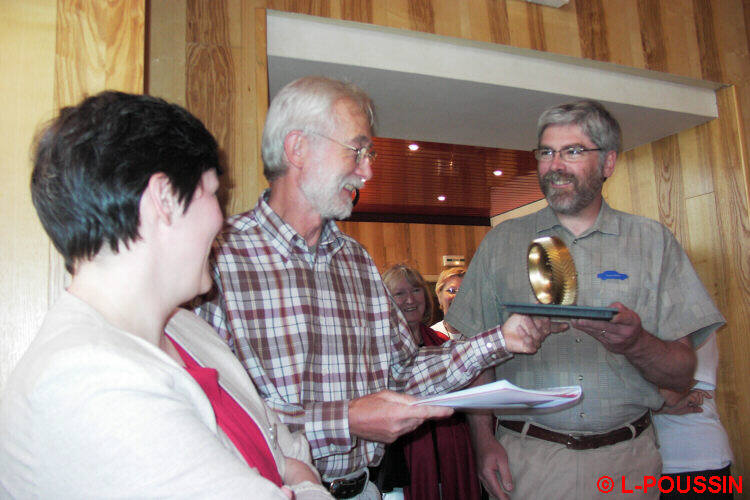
(121, 393)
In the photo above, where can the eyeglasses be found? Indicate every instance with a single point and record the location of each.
(571, 153)
(362, 153)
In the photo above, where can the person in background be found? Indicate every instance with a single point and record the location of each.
(692, 440)
(122, 394)
(303, 305)
(438, 454)
(623, 261)
(446, 288)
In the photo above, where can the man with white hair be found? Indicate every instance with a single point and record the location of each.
(303, 305)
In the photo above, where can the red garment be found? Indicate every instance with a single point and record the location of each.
(233, 420)
(443, 445)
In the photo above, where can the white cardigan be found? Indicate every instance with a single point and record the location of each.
(93, 411)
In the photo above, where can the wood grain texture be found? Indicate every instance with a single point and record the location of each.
(652, 41)
(357, 10)
(497, 16)
(705, 31)
(210, 69)
(592, 29)
(53, 54)
(165, 77)
(420, 245)
(669, 187)
(27, 54)
(421, 15)
(730, 170)
(98, 46)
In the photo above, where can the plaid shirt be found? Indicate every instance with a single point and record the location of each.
(316, 328)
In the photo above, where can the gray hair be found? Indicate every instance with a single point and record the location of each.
(591, 116)
(305, 104)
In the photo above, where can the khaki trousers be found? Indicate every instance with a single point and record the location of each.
(545, 470)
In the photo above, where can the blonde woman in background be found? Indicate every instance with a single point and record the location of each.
(446, 288)
(438, 454)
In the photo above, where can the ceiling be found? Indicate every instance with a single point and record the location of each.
(448, 110)
(446, 183)
(459, 98)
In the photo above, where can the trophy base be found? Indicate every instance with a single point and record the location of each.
(603, 313)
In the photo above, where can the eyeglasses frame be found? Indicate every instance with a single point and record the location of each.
(362, 153)
(561, 151)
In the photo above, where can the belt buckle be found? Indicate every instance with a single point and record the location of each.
(574, 443)
(348, 488)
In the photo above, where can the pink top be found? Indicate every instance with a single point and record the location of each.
(233, 420)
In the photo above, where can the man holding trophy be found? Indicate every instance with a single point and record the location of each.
(625, 262)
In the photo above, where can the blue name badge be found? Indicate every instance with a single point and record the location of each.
(612, 275)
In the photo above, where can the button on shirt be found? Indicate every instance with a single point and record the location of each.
(621, 258)
(316, 328)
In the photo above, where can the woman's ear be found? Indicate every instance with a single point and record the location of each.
(161, 198)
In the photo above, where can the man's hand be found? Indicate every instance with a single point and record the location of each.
(688, 403)
(668, 364)
(492, 460)
(619, 335)
(525, 334)
(386, 415)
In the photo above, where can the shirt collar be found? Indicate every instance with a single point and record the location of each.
(606, 222)
(286, 239)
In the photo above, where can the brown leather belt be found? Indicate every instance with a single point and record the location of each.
(582, 442)
(348, 487)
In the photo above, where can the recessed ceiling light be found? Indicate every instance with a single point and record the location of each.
(497, 173)
(441, 197)
(413, 146)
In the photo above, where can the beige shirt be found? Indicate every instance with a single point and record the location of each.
(624, 258)
(93, 411)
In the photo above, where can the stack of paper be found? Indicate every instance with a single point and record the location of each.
(503, 394)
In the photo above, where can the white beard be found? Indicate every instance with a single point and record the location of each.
(322, 189)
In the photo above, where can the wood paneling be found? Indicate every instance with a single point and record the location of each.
(27, 56)
(53, 54)
(696, 182)
(420, 245)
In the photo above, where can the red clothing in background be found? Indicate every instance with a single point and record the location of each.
(439, 451)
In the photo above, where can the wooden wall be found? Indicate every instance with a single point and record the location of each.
(419, 245)
(27, 33)
(52, 54)
(695, 182)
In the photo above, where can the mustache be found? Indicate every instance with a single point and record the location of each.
(355, 181)
(554, 177)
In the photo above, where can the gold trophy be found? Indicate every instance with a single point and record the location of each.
(553, 278)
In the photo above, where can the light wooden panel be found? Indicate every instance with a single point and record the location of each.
(730, 171)
(27, 54)
(165, 76)
(53, 54)
(420, 245)
(99, 46)
(693, 182)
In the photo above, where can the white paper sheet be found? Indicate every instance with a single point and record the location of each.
(503, 394)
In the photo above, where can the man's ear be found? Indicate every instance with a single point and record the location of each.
(295, 148)
(609, 164)
(161, 197)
